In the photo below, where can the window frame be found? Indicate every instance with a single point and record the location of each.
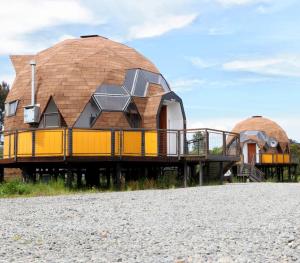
(51, 113)
(7, 108)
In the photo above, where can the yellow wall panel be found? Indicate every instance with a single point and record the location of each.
(151, 143)
(286, 158)
(267, 158)
(25, 144)
(9, 146)
(132, 143)
(49, 142)
(275, 158)
(91, 143)
(117, 142)
(278, 158)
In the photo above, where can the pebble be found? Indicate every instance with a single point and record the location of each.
(230, 223)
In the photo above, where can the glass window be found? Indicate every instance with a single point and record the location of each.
(88, 116)
(133, 116)
(112, 103)
(51, 116)
(51, 120)
(140, 85)
(129, 79)
(111, 90)
(11, 108)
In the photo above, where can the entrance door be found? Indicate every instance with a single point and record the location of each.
(163, 133)
(251, 152)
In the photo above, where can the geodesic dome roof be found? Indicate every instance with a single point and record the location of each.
(74, 70)
(262, 130)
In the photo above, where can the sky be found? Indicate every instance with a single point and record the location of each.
(227, 59)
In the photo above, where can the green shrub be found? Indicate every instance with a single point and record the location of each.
(14, 188)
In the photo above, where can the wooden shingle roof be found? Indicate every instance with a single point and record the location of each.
(70, 72)
(258, 123)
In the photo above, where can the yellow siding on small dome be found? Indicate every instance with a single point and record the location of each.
(91, 143)
(275, 158)
(267, 158)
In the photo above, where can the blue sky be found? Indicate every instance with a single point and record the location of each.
(227, 59)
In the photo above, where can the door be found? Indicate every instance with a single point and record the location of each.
(163, 133)
(251, 152)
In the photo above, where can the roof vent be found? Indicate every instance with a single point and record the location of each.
(89, 36)
(256, 116)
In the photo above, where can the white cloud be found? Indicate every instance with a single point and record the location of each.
(224, 123)
(283, 65)
(7, 78)
(242, 2)
(183, 85)
(19, 19)
(201, 63)
(160, 25)
(290, 124)
(23, 23)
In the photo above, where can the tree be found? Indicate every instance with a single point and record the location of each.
(198, 143)
(4, 88)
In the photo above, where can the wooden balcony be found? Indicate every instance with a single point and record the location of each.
(79, 145)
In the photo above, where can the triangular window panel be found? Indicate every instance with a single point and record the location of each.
(88, 116)
(51, 116)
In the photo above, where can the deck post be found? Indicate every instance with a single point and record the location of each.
(33, 143)
(1, 175)
(221, 172)
(113, 142)
(69, 178)
(185, 173)
(207, 143)
(178, 145)
(107, 173)
(16, 145)
(118, 175)
(289, 173)
(143, 150)
(200, 173)
(79, 178)
(224, 144)
(70, 143)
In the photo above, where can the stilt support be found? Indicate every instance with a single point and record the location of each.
(200, 173)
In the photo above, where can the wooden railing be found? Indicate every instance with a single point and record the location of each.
(66, 142)
(273, 158)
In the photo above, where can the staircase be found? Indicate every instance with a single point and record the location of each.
(251, 172)
(213, 169)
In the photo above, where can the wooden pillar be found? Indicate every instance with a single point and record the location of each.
(88, 178)
(185, 173)
(118, 175)
(221, 173)
(1, 175)
(79, 179)
(289, 174)
(200, 173)
(107, 174)
(69, 178)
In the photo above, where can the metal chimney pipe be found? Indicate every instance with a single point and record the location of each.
(33, 64)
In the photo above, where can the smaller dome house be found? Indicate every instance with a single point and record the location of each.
(263, 141)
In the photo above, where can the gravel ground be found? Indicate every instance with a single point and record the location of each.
(230, 223)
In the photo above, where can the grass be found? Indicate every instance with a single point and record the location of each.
(18, 188)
